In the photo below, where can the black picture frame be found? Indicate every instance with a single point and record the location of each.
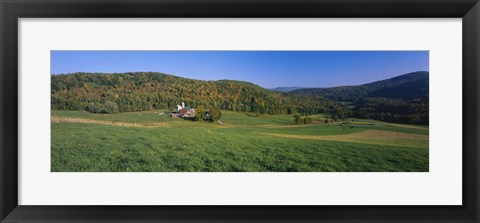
(12, 10)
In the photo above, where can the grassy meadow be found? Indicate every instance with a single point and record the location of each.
(150, 142)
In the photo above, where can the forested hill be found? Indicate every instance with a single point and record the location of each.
(401, 99)
(142, 91)
(407, 87)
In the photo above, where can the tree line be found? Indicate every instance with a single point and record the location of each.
(393, 110)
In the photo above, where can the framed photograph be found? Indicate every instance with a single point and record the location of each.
(228, 111)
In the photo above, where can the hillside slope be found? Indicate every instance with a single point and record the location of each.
(406, 87)
(402, 99)
(143, 91)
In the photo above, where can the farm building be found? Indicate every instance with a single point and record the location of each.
(183, 112)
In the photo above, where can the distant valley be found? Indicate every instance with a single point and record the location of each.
(403, 99)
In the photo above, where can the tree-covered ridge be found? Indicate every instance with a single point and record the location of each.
(401, 99)
(143, 91)
(408, 86)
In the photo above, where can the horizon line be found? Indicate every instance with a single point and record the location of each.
(158, 72)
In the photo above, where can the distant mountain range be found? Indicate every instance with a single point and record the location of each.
(407, 87)
(286, 89)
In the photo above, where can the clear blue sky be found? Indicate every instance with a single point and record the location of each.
(268, 69)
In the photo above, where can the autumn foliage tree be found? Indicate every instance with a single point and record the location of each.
(215, 114)
(200, 113)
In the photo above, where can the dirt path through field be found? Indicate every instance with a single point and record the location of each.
(369, 137)
(102, 122)
(390, 125)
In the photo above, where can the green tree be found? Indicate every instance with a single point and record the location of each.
(92, 107)
(297, 119)
(110, 107)
(307, 120)
(335, 118)
(200, 113)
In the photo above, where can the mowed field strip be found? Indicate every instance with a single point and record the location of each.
(101, 122)
(377, 137)
(56, 119)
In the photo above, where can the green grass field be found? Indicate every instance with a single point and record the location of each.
(149, 142)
